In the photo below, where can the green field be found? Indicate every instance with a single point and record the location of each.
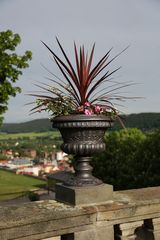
(12, 185)
(31, 135)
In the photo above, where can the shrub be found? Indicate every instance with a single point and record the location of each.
(118, 164)
(33, 196)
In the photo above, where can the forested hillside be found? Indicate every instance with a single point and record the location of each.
(143, 121)
(38, 125)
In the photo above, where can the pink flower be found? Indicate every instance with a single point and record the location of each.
(87, 104)
(88, 112)
(80, 109)
(98, 109)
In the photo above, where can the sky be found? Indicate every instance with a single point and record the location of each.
(108, 23)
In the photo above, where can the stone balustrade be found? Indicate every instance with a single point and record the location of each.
(130, 215)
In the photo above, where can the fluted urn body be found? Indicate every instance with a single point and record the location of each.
(83, 136)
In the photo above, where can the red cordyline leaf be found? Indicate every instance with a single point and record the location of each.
(112, 58)
(77, 60)
(105, 76)
(61, 65)
(54, 75)
(99, 65)
(72, 72)
(90, 58)
(70, 83)
(56, 91)
(38, 110)
(81, 79)
(50, 90)
(106, 93)
(40, 96)
(105, 88)
(37, 107)
(84, 76)
(65, 89)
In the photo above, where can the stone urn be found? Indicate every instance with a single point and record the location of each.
(82, 136)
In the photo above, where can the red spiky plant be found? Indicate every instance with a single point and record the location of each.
(85, 89)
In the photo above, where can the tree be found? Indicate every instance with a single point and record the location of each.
(117, 165)
(11, 66)
(131, 159)
(149, 164)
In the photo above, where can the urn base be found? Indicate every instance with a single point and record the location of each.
(82, 196)
(79, 181)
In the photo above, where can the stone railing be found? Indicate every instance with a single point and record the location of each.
(132, 214)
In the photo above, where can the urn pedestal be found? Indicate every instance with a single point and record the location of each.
(82, 136)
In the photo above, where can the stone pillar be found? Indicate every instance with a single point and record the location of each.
(126, 231)
(98, 233)
(156, 228)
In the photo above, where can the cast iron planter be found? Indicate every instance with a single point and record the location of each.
(82, 136)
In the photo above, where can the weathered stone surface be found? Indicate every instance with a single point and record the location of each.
(127, 230)
(41, 220)
(156, 228)
(132, 204)
(98, 233)
(84, 195)
(46, 219)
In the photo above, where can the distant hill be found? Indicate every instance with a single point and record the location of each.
(38, 125)
(143, 121)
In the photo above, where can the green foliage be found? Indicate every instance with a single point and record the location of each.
(3, 157)
(148, 164)
(62, 106)
(131, 159)
(11, 66)
(116, 164)
(33, 196)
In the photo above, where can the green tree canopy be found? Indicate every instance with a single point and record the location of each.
(11, 66)
(131, 159)
(117, 165)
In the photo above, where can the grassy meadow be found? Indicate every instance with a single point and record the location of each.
(31, 135)
(12, 185)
